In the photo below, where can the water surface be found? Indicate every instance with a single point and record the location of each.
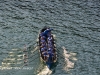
(76, 25)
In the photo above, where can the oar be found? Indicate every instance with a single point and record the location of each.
(20, 67)
(34, 45)
(32, 56)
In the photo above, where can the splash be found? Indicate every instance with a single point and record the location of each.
(45, 71)
(67, 57)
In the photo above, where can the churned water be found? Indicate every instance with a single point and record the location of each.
(76, 24)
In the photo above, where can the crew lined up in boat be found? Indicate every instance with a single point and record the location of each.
(50, 44)
(47, 54)
(47, 45)
(43, 47)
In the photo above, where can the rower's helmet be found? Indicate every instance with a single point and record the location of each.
(45, 47)
(42, 49)
(50, 49)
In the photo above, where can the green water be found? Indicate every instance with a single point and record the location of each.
(76, 24)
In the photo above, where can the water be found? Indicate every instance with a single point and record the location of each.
(76, 25)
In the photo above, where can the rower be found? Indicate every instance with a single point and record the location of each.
(50, 45)
(45, 54)
(42, 38)
(49, 38)
(50, 49)
(49, 42)
(43, 49)
(51, 55)
(43, 44)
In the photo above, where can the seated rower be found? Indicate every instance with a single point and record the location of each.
(42, 38)
(42, 42)
(50, 46)
(45, 55)
(50, 42)
(43, 49)
(50, 49)
(50, 38)
(51, 55)
(43, 45)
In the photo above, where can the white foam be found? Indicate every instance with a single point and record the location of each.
(45, 71)
(68, 64)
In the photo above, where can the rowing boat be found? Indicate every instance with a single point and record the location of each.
(47, 47)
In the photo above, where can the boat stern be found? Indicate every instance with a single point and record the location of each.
(49, 65)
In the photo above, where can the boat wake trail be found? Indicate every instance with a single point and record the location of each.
(67, 57)
(45, 71)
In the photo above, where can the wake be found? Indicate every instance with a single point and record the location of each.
(67, 57)
(45, 71)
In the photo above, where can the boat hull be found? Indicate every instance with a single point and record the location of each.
(48, 58)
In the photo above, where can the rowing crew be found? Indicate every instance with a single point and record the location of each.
(47, 44)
